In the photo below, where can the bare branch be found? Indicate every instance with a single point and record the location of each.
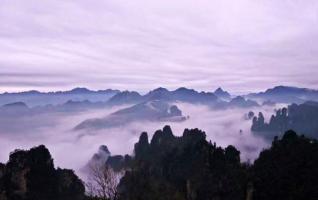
(102, 182)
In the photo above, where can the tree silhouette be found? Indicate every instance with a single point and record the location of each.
(102, 182)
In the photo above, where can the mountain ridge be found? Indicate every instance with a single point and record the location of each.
(286, 94)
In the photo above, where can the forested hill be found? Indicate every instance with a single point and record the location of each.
(186, 167)
(189, 167)
(30, 175)
(175, 168)
(302, 118)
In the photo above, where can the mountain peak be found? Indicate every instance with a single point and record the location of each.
(222, 94)
(80, 90)
(160, 89)
(158, 94)
(219, 90)
(242, 102)
(126, 94)
(184, 89)
(125, 97)
(104, 148)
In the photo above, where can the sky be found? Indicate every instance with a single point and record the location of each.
(241, 45)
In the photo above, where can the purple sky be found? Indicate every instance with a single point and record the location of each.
(241, 45)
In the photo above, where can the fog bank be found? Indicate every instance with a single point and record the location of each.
(73, 149)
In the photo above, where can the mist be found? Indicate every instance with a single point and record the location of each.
(73, 149)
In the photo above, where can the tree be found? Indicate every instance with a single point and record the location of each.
(102, 182)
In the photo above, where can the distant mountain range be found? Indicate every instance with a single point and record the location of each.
(162, 94)
(28, 108)
(285, 94)
(83, 98)
(36, 98)
(278, 94)
(109, 97)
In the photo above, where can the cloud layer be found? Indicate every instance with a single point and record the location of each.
(241, 45)
(73, 149)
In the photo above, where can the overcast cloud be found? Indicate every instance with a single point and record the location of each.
(241, 45)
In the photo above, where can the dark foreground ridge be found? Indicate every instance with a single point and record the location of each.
(30, 175)
(176, 168)
(186, 167)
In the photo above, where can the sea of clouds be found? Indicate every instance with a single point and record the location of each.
(73, 149)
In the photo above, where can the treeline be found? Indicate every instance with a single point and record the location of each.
(176, 168)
